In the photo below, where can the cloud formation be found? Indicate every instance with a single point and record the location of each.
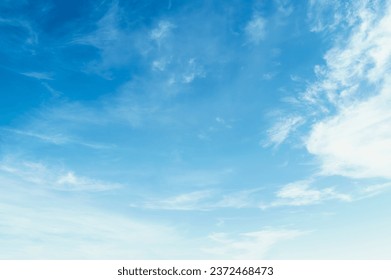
(44, 177)
(153, 121)
(39, 75)
(250, 245)
(302, 193)
(282, 129)
(256, 29)
(356, 140)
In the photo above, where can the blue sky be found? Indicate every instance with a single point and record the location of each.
(195, 129)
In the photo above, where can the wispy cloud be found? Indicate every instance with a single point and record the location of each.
(256, 29)
(206, 200)
(249, 245)
(358, 60)
(193, 71)
(373, 190)
(309, 192)
(57, 139)
(58, 179)
(69, 181)
(302, 193)
(43, 226)
(183, 202)
(284, 7)
(81, 157)
(247, 198)
(115, 44)
(27, 34)
(296, 194)
(39, 75)
(329, 15)
(280, 131)
(38, 221)
(162, 30)
(356, 140)
(160, 64)
(53, 92)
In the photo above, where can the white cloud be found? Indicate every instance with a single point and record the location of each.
(359, 58)
(223, 122)
(355, 82)
(316, 11)
(43, 177)
(284, 7)
(256, 29)
(268, 76)
(43, 226)
(301, 193)
(68, 181)
(247, 198)
(281, 130)
(57, 139)
(159, 65)
(39, 75)
(327, 15)
(54, 92)
(107, 31)
(116, 44)
(192, 71)
(250, 245)
(357, 142)
(205, 200)
(161, 31)
(183, 202)
(373, 190)
(304, 193)
(27, 33)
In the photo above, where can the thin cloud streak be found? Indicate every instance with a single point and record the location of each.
(249, 245)
(57, 179)
(39, 75)
(281, 130)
